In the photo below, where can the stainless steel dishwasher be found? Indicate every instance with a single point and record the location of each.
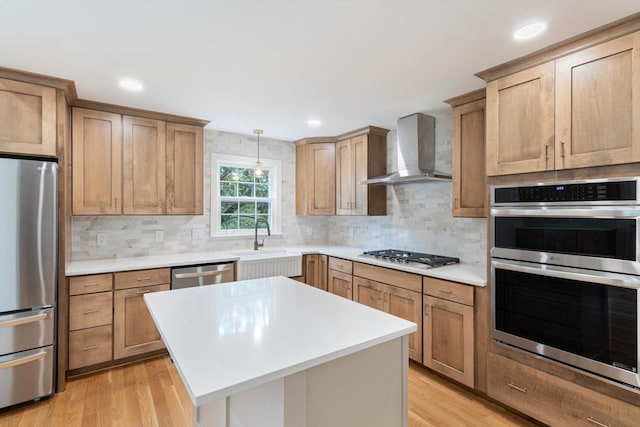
(201, 275)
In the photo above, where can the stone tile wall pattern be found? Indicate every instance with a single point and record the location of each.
(419, 214)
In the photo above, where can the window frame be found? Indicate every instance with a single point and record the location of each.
(275, 192)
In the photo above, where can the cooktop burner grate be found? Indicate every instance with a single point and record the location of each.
(407, 257)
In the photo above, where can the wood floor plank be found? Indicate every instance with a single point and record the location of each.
(151, 393)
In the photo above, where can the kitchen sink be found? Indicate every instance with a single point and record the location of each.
(268, 263)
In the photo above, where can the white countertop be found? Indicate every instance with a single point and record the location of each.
(234, 336)
(464, 273)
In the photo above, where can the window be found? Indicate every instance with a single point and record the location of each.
(239, 198)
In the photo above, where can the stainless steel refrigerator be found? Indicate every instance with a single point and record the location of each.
(28, 270)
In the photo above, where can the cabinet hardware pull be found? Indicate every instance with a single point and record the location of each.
(91, 347)
(140, 279)
(87, 285)
(546, 154)
(591, 420)
(515, 387)
(446, 291)
(91, 311)
(202, 274)
(561, 148)
(146, 291)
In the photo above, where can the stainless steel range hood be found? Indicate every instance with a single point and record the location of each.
(416, 152)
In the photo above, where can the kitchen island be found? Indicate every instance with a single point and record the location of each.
(275, 352)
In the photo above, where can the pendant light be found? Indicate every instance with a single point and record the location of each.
(258, 170)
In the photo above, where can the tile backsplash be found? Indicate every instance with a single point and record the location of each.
(419, 214)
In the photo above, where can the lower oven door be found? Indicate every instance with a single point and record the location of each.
(588, 319)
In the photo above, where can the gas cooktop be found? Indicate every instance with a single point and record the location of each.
(406, 257)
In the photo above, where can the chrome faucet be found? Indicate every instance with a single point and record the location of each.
(257, 245)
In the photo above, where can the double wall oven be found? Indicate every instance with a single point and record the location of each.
(565, 273)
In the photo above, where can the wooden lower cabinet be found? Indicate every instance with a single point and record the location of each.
(448, 339)
(90, 346)
(315, 270)
(553, 400)
(393, 300)
(340, 284)
(134, 329)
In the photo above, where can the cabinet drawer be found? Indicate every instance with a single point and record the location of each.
(451, 291)
(412, 282)
(87, 311)
(90, 346)
(339, 264)
(552, 400)
(89, 284)
(138, 278)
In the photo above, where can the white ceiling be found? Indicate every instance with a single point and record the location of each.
(272, 64)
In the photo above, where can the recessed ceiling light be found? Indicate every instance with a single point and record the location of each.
(530, 31)
(314, 123)
(130, 84)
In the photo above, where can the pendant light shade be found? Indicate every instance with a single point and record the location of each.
(258, 169)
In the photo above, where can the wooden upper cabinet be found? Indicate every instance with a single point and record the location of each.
(468, 155)
(598, 105)
(315, 178)
(184, 152)
(97, 162)
(143, 166)
(520, 122)
(362, 156)
(27, 118)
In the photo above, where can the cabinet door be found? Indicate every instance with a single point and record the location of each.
(598, 105)
(520, 122)
(184, 169)
(468, 160)
(97, 162)
(407, 305)
(368, 292)
(316, 271)
(340, 284)
(143, 166)
(449, 339)
(344, 178)
(27, 118)
(360, 171)
(321, 176)
(134, 329)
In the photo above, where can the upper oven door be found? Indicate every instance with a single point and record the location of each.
(598, 238)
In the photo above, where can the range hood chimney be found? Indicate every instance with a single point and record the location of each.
(416, 152)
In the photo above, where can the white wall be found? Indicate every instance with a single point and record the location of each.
(419, 214)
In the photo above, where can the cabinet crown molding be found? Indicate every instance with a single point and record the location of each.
(67, 86)
(466, 98)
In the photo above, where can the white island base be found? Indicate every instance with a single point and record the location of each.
(367, 388)
(278, 353)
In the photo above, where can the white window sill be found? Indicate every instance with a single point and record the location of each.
(261, 234)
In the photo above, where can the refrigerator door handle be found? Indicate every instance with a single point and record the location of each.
(42, 170)
(23, 320)
(23, 360)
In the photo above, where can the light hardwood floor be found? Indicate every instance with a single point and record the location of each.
(150, 393)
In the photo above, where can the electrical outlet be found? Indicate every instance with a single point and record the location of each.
(309, 231)
(159, 236)
(101, 239)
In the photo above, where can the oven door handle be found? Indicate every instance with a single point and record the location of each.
(610, 279)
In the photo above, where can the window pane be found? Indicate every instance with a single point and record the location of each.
(245, 190)
(246, 223)
(248, 208)
(245, 175)
(228, 173)
(229, 222)
(262, 207)
(229, 207)
(229, 189)
(262, 190)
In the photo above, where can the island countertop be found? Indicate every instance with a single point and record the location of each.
(234, 336)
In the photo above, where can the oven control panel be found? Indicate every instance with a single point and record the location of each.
(614, 191)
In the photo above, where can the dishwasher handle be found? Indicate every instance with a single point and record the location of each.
(202, 274)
